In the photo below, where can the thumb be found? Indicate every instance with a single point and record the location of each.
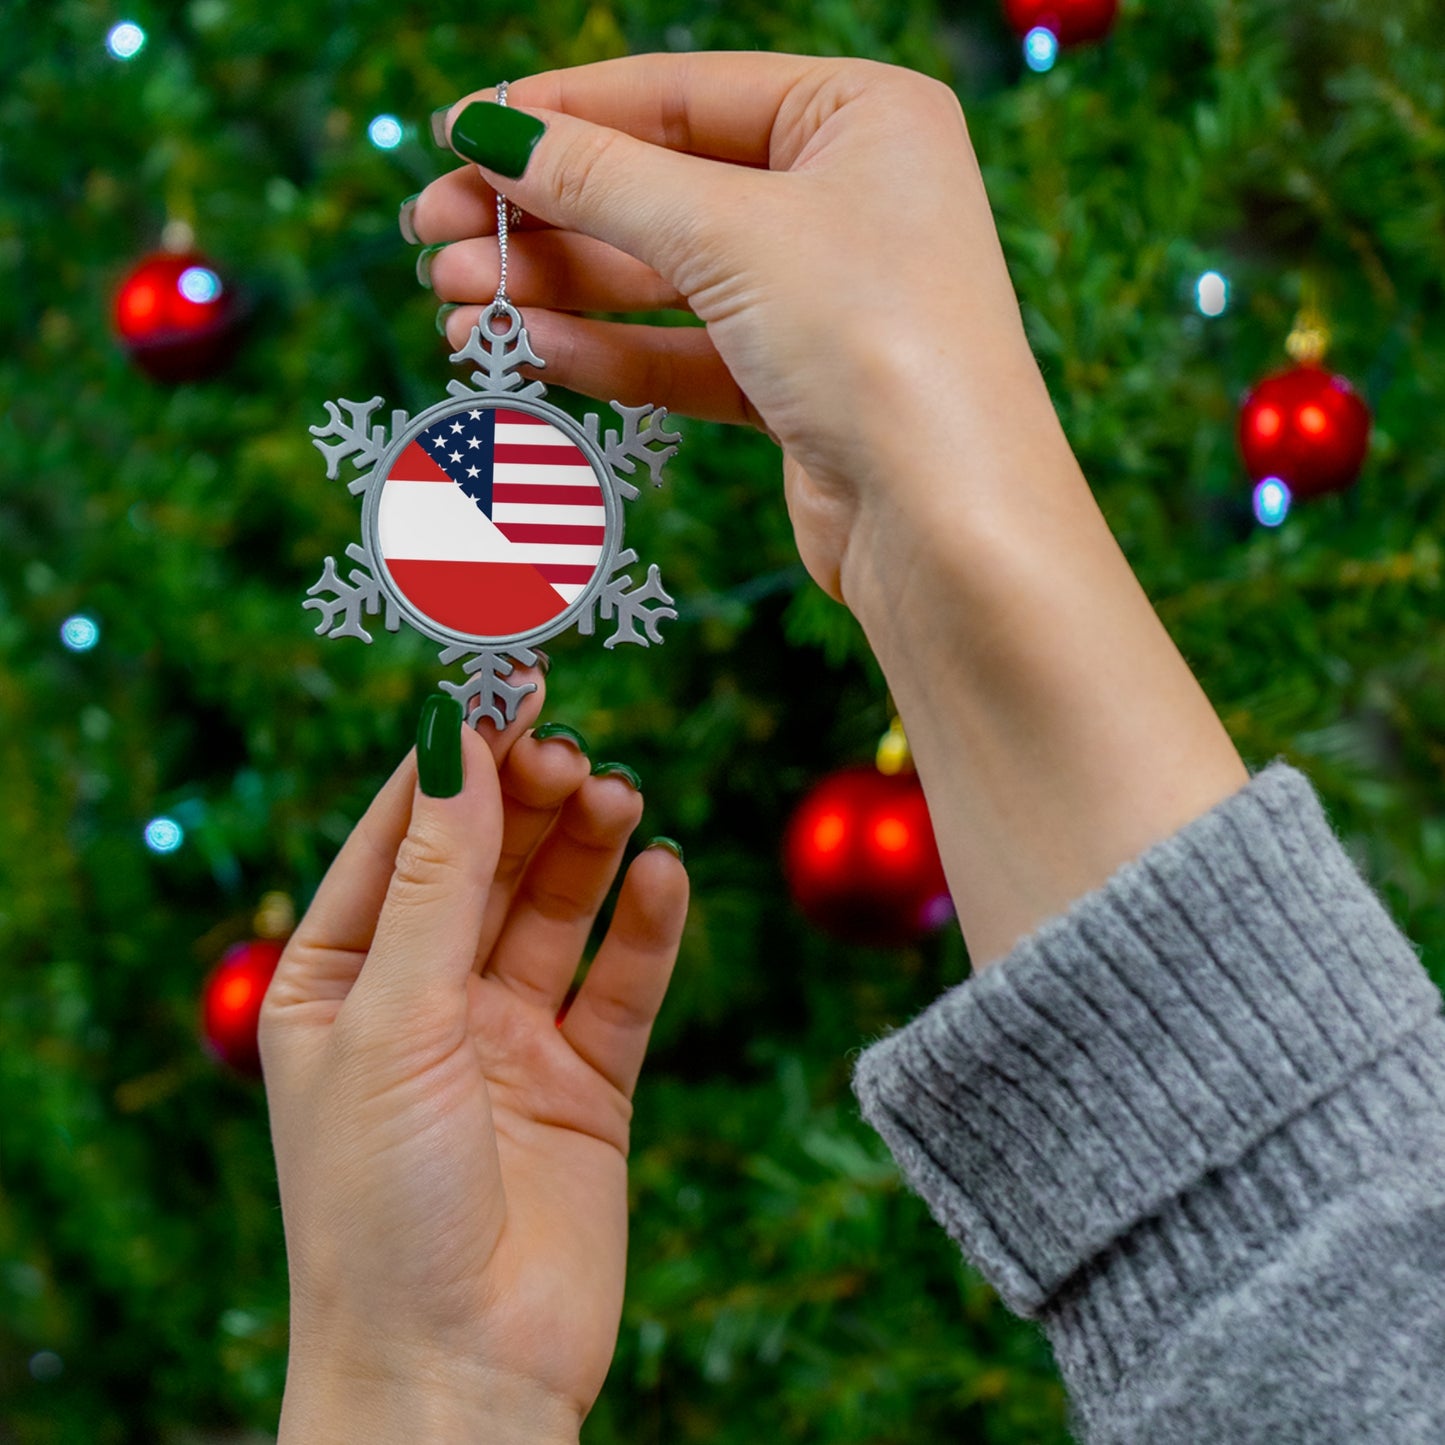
(646, 200)
(422, 952)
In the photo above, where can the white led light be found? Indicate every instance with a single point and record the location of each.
(1041, 48)
(1211, 293)
(385, 132)
(164, 835)
(126, 40)
(1271, 501)
(79, 633)
(199, 284)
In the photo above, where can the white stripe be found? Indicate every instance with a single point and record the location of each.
(532, 436)
(535, 474)
(568, 591)
(555, 516)
(425, 522)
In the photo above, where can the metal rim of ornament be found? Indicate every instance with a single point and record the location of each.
(554, 416)
(614, 456)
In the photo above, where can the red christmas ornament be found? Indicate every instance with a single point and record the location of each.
(1307, 427)
(1072, 22)
(861, 860)
(231, 1003)
(175, 317)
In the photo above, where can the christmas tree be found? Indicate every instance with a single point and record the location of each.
(179, 744)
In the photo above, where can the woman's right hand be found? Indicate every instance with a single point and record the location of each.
(825, 218)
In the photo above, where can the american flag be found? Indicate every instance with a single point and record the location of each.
(491, 522)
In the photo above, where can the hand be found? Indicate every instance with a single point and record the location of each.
(452, 1158)
(826, 219)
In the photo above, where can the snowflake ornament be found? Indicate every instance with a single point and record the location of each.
(492, 521)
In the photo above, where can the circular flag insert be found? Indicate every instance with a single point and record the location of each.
(491, 522)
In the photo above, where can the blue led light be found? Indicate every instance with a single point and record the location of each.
(164, 835)
(199, 284)
(1041, 48)
(1211, 294)
(80, 633)
(385, 132)
(1271, 502)
(126, 40)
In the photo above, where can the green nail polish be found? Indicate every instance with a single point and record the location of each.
(443, 312)
(496, 136)
(617, 770)
(423, 263)
(439, 746)
(404, 220)
(671, 844)
(561, 730)
(543, 661)
(439, 125)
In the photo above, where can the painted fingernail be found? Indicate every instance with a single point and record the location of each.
(404, 219)
(561, 730)
(671, 844)
(443, 312)
(423, 263)
(439, 747)
(618, 770)
(496, 136)
(439, 125)
(543, 661)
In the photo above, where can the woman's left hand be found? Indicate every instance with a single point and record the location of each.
(452, 1155)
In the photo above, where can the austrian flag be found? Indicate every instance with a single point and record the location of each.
(491, 522)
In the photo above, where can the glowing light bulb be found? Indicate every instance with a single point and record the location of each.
(126, 40)
(1271, 501)
(199, 284)
(385, 132)
(1211, 294)
(80, 633)
(1041, 48)
(164, 835)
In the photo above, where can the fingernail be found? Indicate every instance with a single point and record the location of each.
(561, 730)
(423, 263)
(543, 661)
(619, 770)
(439, 125)
(443, 312)
(439, 747)
(496, 136)
(404, 220)
(671, 844)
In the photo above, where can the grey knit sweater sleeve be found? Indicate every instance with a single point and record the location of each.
(1195, 1126)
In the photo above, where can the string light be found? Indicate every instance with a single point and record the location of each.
(126, 40)
(1271, 502)
(385, 132)
(1211, 294)
(1041, 48)
(199, 284)
(164, 835)
(79, 633)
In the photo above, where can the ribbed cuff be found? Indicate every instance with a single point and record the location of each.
(1235, 975)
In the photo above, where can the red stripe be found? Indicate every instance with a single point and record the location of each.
(547, 532)
(484, 599)
(520, 418)
(541, 495)
(548, 456)
(565, 571)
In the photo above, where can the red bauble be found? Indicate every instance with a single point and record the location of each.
(176, 318)
(1306, 427)
(861, 860)
(231, 1003)
(1073, 22)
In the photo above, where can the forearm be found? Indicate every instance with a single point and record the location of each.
(1057, 730)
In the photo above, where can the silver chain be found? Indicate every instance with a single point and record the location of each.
(501, 299)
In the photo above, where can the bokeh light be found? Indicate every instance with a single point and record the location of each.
(126, 40)
(385, 132)
(164, 835)
(1271, 501)
(1041, 48)
(199, 284)
(1211, 293)
(80, 633)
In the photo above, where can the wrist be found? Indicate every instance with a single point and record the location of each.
(340, 1400)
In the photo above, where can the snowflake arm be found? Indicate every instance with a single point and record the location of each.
(360, 441)
(630, 607)
(349, 599)
(485, 693)
(499, 354)
(643, 438)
